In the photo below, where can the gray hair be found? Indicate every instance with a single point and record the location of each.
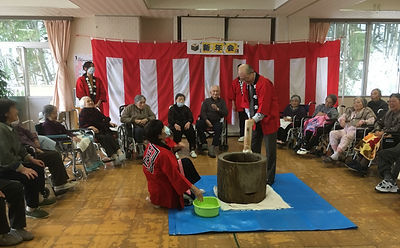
(47, 110)
(379, 91)
(139, 98)
(82, 101)
(297, 97)
(362, 99)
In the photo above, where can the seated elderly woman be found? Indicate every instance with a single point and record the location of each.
(90, 117)
(293, 110)
(16, 164)
(388, 127)
(52, 159)
(180, 121)
(323, 114)
(379, 106)
(139, 114)
(167, 178)
(354, 117)
(52, 127)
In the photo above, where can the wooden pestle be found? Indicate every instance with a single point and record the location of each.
(248, 130)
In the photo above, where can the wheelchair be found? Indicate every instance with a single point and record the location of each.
(126, 139)
(67, 148)
(294, 132)
(209, 132)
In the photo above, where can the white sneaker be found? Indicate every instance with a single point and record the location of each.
(65, 186)
(302, 151)
(241, 139)
(193, 154)
(122, 157)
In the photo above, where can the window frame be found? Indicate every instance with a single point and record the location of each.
(23, 46)
(367, 49)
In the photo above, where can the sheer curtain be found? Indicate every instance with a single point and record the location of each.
(318, 31)
(59, 33)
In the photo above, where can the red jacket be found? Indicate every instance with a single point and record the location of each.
(82, 89)
(267, 104)
(165, 183)
(236, 94)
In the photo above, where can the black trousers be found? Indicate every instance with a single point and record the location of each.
(389, 162)
(190, 171)
(54, 162)
(14, 192)
(310, 140)
(190, 136)
(138, 133)
(201, 127)
(283, 132)
(270, 150)
(242, 118)
(32, 187)
(109, 143)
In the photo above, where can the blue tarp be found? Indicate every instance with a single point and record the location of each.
(309, 212)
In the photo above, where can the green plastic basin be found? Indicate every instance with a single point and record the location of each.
(209, 207)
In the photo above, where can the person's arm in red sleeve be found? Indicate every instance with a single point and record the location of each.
(80, 88)
(265, 98)
(169, 167)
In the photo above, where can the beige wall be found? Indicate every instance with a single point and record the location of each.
(292, 28)
(200, 28)
(156, 29)
(257, 30)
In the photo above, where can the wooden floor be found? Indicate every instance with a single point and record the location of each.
(109, 210)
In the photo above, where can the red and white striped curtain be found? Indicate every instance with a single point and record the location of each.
(160, 71)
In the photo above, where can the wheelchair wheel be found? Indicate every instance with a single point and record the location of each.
(122, 139)
(45, 192)
(78, 174)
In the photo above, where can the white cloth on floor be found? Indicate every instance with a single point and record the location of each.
(273, 201)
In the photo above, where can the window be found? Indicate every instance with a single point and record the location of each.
(26, 58)
(369, 57)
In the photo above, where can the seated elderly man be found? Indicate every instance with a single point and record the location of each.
(91, 117)
(212, 110)
(139, 114)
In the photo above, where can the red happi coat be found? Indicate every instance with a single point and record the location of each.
(236, 94)
(82, 89)
(267, 104)
(165, 183)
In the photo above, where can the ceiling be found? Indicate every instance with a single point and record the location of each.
(384, 9)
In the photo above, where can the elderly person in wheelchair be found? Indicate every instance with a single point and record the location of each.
(386, 133)
(138, 114)
(323, 117)
(213, 109)
(90, 117)
(51, 126)
(293, 112)
(357, 116)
